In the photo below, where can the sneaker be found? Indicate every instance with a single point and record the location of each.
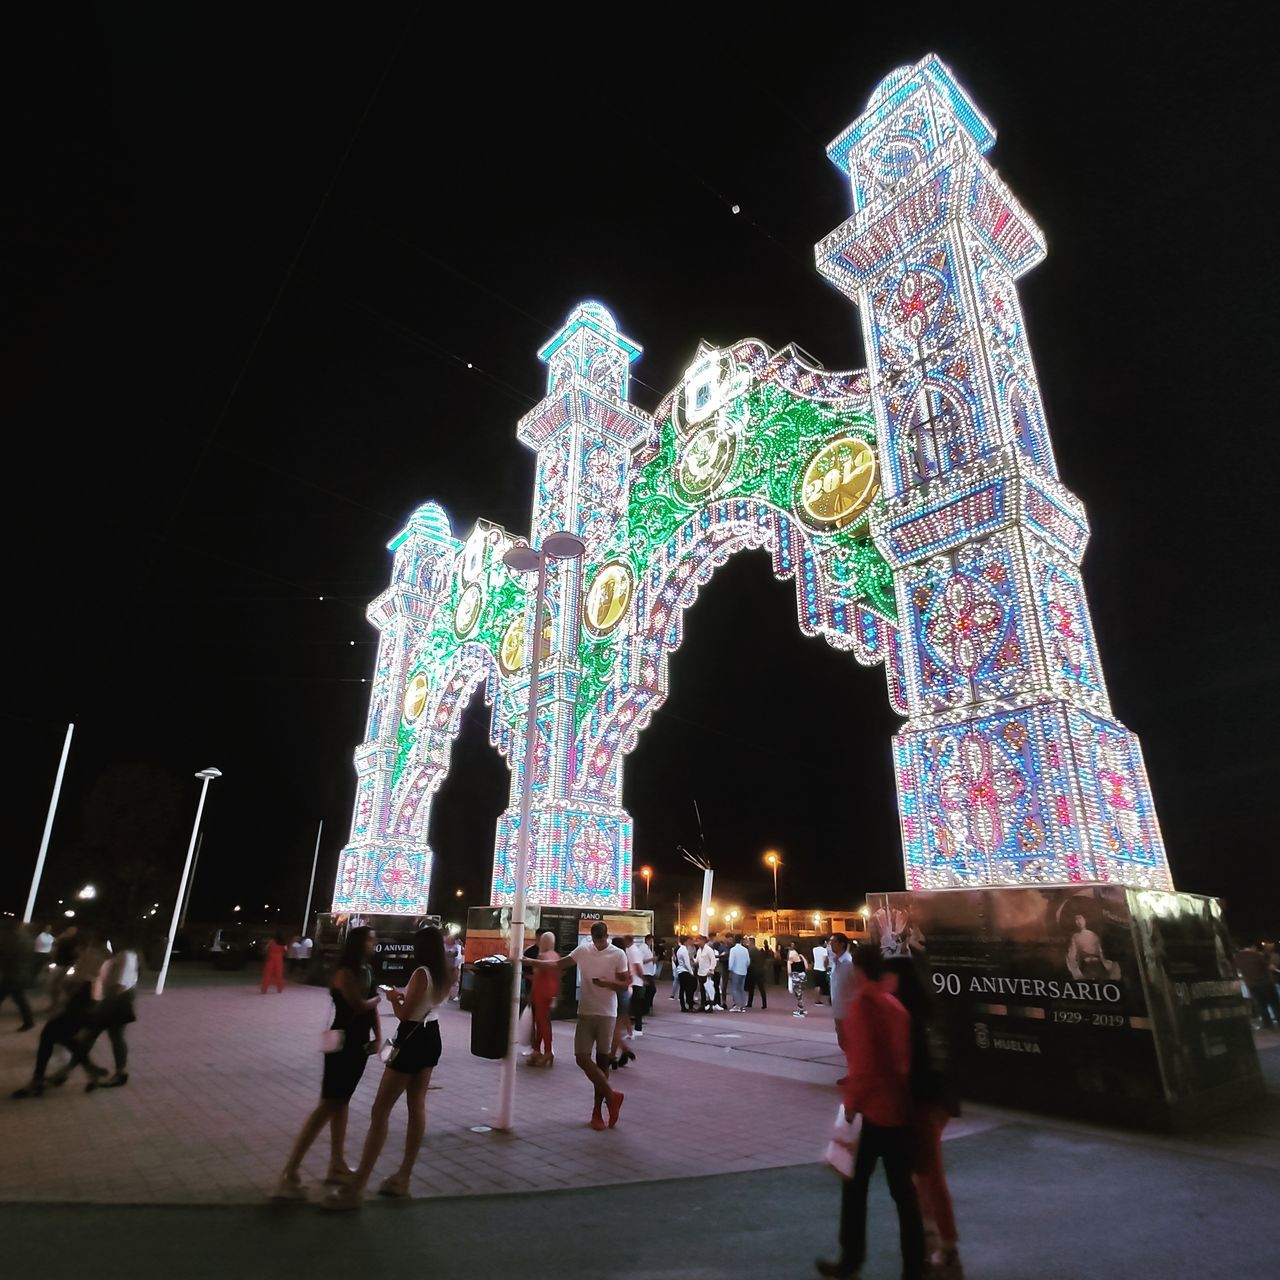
(637, 1033)
(288, 1189)
(946, 1265)
(799, 1013)
(837, 1269)
(33, 1090)
(614, 1104)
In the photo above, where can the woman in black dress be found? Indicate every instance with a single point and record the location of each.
(351, 1038)
(413, 1056)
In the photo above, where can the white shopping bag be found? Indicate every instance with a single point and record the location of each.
(842, 1150)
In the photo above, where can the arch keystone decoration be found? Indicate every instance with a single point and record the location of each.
(916, 506)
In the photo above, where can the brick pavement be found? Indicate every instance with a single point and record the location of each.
(221, 1078)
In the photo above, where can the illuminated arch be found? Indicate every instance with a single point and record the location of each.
(916, 505)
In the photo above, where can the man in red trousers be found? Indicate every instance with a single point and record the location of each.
(877, 1046)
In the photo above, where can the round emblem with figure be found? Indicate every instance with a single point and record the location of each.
(464, 621)
(415, 697)
(707, 460)
(839, 484)
(511, 651)
(608, 597)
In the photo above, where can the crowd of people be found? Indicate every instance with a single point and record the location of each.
(90, 982)
(896, 1092)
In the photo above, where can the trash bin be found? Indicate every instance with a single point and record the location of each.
(490, 1006)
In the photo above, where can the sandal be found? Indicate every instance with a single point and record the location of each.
(339, 1177)
(394, 1189)
(345, 1197)
(288, 1189)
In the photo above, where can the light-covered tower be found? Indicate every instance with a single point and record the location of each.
(584, 432)
(379, 871)
(1011, 768)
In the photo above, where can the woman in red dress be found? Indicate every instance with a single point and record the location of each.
(546, 985)
(273, 969)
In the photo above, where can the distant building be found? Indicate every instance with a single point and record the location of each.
(809, 923)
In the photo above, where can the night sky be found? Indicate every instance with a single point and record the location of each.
(249, 262)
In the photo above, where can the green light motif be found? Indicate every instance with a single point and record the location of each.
(503, 604)
(776, 433)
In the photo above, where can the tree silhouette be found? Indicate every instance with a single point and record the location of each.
(133, 835)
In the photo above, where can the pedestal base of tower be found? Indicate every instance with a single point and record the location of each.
(393, 957)
(1096, 1001)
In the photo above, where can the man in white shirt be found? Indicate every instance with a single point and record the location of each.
(42, 949)
(639, 954)
(739, 963)
(708, 962)
(821, 977)
(684, 975)
(602, 974)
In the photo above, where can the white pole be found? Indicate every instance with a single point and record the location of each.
(182, 888)
(704, 916)
(507, 1083)
(306, 915)
(195, 866)
(48, 828)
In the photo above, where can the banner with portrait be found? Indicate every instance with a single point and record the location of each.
(1092, 1000)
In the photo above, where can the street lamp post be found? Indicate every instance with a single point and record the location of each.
(647, 874)
(206, 776)
(522, 558)
(311, 888)
(773, 862)
(48, 827)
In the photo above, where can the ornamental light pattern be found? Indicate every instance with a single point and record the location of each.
(916, 506)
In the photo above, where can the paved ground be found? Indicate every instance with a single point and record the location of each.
(166, 1176)
(1031, 1203)
(221, 1077)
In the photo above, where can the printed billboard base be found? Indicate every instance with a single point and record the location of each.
(1095, 1001)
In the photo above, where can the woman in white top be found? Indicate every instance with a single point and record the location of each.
(413, 1056)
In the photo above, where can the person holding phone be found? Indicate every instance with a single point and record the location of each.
(351, 1039)
(410, 1060)
(603, 971)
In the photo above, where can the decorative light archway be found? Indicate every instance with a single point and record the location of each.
(916, 505)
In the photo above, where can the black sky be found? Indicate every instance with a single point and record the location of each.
(239, 313)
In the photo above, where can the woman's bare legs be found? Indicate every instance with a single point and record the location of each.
(390, 1087)
(416, 1097)
(328, 1112)
(338, 1142)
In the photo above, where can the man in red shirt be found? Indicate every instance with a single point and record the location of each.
(877, 1046)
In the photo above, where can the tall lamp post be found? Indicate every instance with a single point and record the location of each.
(647, 875)
(206, 776)
(773, 862)
(48, 828)
(522, 558)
